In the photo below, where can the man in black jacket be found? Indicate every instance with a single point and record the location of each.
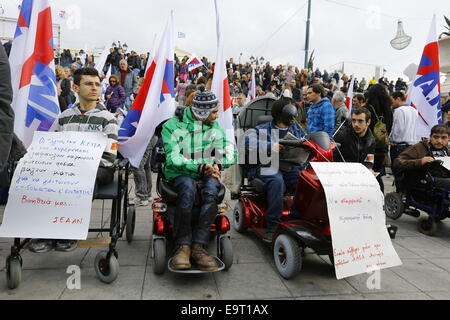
(357, 141)
(6, 112)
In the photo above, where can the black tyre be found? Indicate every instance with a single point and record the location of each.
(131, 223)
(393, 206)
(106, 269)
(239, 218)
(160, 256)
(288, 256)
(13, 272)
(226, 252)
(427, 226)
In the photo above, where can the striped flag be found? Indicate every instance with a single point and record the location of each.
(33, 78)
(350, 94)
(252, 87)
(193, 63)
(425, 93)
(154, 103)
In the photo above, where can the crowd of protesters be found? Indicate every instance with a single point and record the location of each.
(319, 96)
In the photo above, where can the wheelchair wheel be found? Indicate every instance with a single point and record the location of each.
(427, 226)
(159, 253)
(131, 223)
(239, 218)
(106, 269)
(393, 206)
(13, 272)
(288, 256)
(226, 252)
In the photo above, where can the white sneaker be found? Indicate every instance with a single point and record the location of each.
(140, 203)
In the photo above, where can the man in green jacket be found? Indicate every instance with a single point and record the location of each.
(196, 149)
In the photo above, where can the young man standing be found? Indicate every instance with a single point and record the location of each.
(86, 116)
(357, 141)
(403, 134)
(321, 114)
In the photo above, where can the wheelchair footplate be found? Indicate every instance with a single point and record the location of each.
(195, 270)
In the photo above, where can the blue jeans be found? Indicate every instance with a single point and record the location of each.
(143, 174)
(128, 102)
(276, 186)
(185, 231)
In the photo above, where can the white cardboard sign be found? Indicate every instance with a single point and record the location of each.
(446, 162)
(361, 242)
(51, 193)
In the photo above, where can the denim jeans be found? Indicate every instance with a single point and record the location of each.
(190, 225)
(276, 186)
(143, 174)
(128, 102)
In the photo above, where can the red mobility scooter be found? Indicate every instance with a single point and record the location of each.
(163, 220)
(311, 228)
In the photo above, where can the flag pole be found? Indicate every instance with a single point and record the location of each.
(308, 25)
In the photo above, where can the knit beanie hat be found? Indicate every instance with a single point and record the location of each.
(204, 103)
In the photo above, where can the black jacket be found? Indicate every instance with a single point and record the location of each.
(354, 148)
(6, 112)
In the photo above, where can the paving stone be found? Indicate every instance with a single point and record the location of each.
(389, 283)
(134, 254)
(36, 285)
(397, 296)
(439, 295)
(127, 286)
(317, 278)
(251, 281)
(335, 297)
(424, 247)
(424, 275)
(173, 286)
(442, 263)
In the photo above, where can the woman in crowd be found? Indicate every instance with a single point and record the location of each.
(115, 95)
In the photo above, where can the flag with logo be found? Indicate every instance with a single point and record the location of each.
(35, 100)
(425, 91)
(193, 63)
(220, 85)
(154, 103)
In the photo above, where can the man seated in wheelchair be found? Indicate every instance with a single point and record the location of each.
(86, 116)
(416, 162)
(263, 141)
(197, 149)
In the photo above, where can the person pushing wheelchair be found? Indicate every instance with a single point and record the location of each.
(197, 149)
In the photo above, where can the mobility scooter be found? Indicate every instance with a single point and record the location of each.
(311, 227)
(418, 193)
(163, 220)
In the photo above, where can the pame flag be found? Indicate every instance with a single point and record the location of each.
(33, 78)
(425, 92)
(154, 103)
(193, 63)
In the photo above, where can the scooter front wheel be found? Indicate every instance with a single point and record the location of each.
(288, 256)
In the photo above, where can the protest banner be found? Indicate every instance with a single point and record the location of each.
(445, 162)
(52, 189)
(361, 242)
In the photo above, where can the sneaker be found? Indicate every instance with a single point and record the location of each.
(202, 259)
(41, 246)
(66, 245)
(140, 203)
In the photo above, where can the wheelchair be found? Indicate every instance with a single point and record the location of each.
(163, 220)
(418, 193)
(123, 219)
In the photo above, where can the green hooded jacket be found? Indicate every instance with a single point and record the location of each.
(190, 143)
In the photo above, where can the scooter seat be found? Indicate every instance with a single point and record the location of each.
(169, 195)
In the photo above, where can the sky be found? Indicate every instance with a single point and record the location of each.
(341, 30)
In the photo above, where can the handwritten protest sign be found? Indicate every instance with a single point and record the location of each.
(446, 162)
(361, 242)
(52, 189)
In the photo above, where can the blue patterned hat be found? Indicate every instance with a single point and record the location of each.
(204, 104)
